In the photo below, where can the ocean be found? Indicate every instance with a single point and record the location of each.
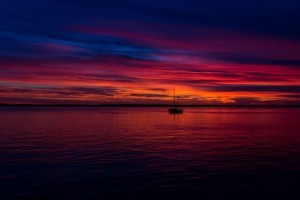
(147, 153)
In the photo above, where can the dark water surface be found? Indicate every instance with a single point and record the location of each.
(145, 153)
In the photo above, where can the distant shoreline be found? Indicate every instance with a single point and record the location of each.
(135, 105)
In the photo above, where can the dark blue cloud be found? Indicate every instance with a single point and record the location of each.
(249, 59)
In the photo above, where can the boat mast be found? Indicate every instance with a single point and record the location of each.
(174, 97)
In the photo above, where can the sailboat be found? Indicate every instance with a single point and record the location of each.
(175, 108)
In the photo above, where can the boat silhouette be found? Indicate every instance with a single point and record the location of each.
(175, 108)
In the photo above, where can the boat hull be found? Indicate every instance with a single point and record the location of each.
(175, 110)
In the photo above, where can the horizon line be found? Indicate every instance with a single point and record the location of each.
(146, 105)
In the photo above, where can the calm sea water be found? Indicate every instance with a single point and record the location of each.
(145, 153)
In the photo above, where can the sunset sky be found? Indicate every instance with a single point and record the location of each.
(129, 51)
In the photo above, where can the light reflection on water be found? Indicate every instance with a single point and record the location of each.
(143, 153)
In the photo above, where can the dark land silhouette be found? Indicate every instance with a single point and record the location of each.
(141, 105)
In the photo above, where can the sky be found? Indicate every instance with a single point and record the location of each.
(126, 51)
